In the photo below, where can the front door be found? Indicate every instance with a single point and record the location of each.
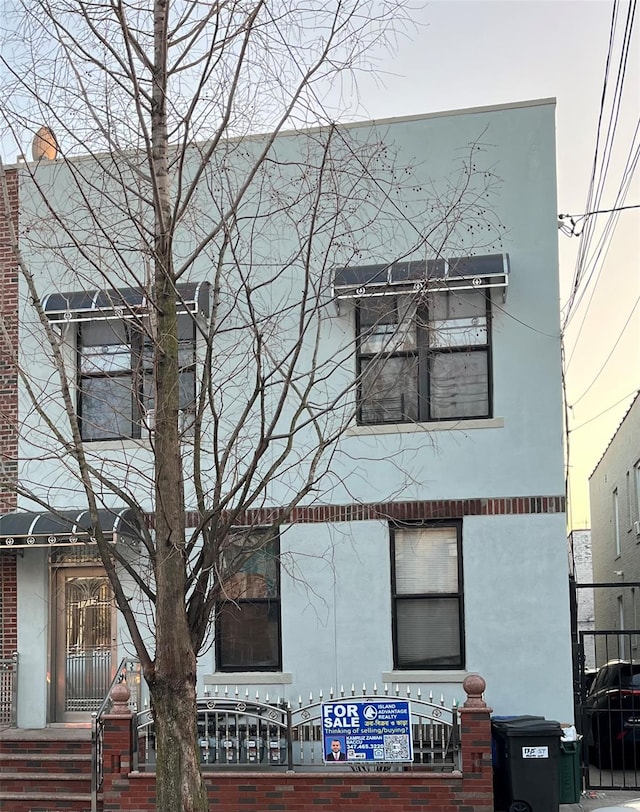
(85, 635)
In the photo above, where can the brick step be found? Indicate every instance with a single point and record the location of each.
(46, 801)
(47, 770)
(19, 775)
(53, 783)
(45, 796)
(29, 762)
(30, 748)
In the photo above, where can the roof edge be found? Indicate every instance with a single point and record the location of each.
(345, 125)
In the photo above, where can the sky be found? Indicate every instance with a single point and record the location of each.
(476, 53)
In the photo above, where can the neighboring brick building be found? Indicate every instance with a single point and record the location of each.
(8, 404)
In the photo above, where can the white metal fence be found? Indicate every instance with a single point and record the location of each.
(240, 732)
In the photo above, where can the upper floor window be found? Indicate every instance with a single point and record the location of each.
(247, 634)
(115, 353)
(422, 359)
(616, 522)
(115, 375)
(428, 617)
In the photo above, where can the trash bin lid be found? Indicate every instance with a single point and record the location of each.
(512, 718)
(527, 726)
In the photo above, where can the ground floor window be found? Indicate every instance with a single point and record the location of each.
(248, 613)
(428, 619)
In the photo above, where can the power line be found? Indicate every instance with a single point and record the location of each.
(603, 149)
(608, 358)
(574, 219)
(604, 411)
(601, 211)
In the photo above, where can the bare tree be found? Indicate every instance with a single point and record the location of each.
(160, 184)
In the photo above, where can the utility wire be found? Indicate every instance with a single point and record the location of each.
(583, 225)
(574, 219)
(603, 96)
(604, 411)
(604, 243)
(608, 358)
(602, 154)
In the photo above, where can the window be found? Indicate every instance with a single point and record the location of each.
(616, 521)
(636, 479)
(248, 614)
(427, 596)
(424, 359)
(115, 366)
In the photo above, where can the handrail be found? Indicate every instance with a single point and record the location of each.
(127, 665)
(119, 676)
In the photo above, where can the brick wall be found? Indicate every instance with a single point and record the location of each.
(321, 792)
(399, 511)
(8, 405)
(8, 342)
(8, 605)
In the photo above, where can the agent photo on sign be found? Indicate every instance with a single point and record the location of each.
(336, 753)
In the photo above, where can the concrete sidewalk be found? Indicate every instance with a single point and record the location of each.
(598, 798)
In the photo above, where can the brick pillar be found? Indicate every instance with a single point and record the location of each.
(117, 749)
(8, 340)
(8, 403)
(8, 604)
(477, 768)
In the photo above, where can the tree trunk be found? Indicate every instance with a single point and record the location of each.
(179, 783)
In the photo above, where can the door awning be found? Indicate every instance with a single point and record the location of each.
(120, 303)
(457, 273)
(65, 527)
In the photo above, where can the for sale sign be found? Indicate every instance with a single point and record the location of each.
(358, 730)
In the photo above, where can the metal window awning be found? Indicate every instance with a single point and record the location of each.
(457, 273)
(119, 303)
(65, 527)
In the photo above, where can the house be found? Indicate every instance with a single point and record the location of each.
(614, 494)
(433, 544)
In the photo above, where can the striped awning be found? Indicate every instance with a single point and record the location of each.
(93, 305)
(65, 527)
(457, 273)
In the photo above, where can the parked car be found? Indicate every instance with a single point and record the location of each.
(612, 714)
(589, 676)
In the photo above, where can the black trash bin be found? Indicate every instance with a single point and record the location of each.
(526, 755)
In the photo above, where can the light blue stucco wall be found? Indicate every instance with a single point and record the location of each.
(33, 638)
(519, 456)
(336, 624)
(517, 613)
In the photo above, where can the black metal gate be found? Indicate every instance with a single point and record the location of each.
(607, 699)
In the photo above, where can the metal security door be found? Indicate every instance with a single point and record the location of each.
(85, 641)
